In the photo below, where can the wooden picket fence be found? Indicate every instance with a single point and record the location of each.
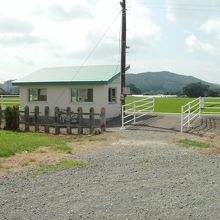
(61, 119)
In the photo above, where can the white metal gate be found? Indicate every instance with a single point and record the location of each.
(137, 109)
(193, 110)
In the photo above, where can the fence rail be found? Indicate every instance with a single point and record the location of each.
(137, 109)
(9, 100)
(210, 105)
(194, 109)
(64, 118)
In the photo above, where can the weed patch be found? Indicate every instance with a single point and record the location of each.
(61, 165)
(61, 149)
(192, 143)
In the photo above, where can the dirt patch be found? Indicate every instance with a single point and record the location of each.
(28, 160)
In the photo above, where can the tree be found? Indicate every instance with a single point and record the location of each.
(196, 90)
(213, 93)
(134, 89)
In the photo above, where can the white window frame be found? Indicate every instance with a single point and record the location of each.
(80, 97)
(112, 100)
(38, 94)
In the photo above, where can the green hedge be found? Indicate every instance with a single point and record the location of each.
(11, 118)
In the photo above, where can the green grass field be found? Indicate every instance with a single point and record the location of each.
(168, 105)
(9, 101)
(173, 105)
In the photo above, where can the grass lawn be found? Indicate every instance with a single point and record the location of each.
(16, 142)
(169, 105)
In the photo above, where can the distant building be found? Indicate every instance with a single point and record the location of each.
(2, 91)
(9, 88)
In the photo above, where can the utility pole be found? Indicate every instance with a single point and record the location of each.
(123, 53)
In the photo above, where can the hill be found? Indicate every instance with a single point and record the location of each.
(163, 82)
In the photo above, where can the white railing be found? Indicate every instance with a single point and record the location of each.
(210, 105)
(193, 110)
(137, 109)
(6, 100)
(190, 112)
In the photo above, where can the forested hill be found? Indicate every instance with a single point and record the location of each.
(162, 82)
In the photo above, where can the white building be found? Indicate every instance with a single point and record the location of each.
(86, 87)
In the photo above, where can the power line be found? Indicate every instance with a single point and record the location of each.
(91, 52)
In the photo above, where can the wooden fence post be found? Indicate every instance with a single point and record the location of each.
(26, 118)
(80, 120)
(57, 128)
(0, 117)
(68, 121)
(36, 118)
(16, 122)
(47, 114)
(102, 120)
(91, 120)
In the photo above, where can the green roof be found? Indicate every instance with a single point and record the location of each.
(99, 74)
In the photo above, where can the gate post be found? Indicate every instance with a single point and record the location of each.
(201, 105)
(36, 118)
(68, 120)
(103, 120)
(182, 117)
(122, 116)
(80, 119)
(134, 116)
(26, 118)
(188, 115)
(46, 114)
(91, 120)
(57, 128)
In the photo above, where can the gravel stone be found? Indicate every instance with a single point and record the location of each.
(141, 175)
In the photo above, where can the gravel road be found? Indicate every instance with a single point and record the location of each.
(141, 175)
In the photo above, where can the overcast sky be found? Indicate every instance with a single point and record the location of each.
(182, 36)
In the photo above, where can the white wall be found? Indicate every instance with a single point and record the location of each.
(61, 96)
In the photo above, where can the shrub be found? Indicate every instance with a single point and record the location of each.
(11, 118)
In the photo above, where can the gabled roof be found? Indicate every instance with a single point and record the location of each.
(100, 74)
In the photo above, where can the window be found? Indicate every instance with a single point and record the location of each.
(112, 95)
(37, 95)
(82, 95)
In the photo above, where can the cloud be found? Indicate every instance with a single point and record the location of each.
(195, 45)
(10, 25)
(8, 40)
(23, 59)
(212, 26)
(191, 11)
(64, 33)
(58, 12)
(141, 32)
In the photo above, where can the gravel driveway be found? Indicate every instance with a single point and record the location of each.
(141, 175)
